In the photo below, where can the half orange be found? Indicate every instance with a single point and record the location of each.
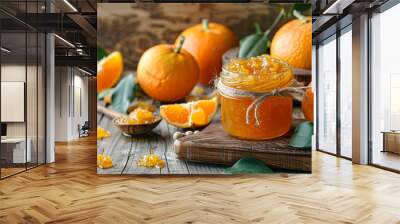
(109, 70)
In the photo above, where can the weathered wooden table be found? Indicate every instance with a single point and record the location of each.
(126, 151)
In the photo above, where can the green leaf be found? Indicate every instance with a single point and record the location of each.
(101, 53)
(258, 44)
(302, 136)
(259, 47)
(257, 32)
(104, 93)
(123, 94)
(258, 28)
(248, 165)
(248, 43)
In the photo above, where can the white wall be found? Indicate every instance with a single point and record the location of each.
(80, 100)
(10, 73)
(61, 103)
(13, 73)
(71, 93)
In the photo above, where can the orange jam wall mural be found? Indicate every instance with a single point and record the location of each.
(204, 88)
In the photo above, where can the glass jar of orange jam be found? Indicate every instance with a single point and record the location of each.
(250, 106)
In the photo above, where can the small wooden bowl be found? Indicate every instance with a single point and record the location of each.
(136, 129)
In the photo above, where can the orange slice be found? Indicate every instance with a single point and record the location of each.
(177, 114)
(193, 114)
(203, 111)
(109, 70)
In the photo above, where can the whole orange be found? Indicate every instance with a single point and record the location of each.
(207, 42)
(307, 105)
(167, 73)
(109, 70)
(293, 43)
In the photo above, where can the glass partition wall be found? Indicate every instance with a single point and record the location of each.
(383, 85)
(327, 95)
(334, 86)
(22, 107)
(13, 84)
(345, 92)
(385, 89)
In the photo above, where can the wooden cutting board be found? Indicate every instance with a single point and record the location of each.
(214, 145)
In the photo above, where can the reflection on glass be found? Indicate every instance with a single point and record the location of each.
(346, 94)
(22, 90)
(327, 96)
(15, 151)
(385, 92)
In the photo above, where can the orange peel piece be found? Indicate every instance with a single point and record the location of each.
(102, 133)
(151, 161)
(142, 116)
(104, 161)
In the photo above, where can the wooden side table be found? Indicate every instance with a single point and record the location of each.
(391, 141)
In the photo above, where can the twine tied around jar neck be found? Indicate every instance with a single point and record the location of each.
(294, 90)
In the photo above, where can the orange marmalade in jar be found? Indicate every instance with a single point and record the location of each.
(251, 106)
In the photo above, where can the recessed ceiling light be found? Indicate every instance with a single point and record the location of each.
(64, 40)
(337, 7)
(5, 50)
(70, 5)
(84, 71)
